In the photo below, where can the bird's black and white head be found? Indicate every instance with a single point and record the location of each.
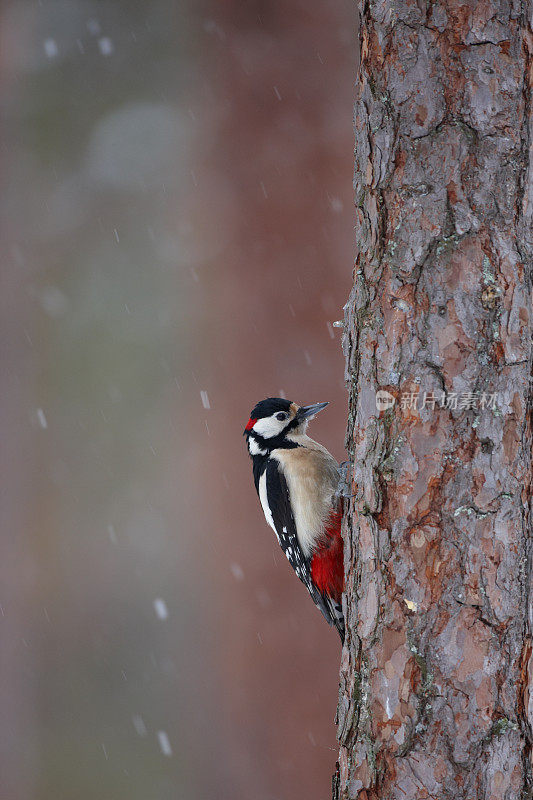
(274, 421)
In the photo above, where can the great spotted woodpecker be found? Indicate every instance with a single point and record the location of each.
(297, 481)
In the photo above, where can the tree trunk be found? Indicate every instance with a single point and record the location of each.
(435, 697)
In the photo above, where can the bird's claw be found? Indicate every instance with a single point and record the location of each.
(344, 485)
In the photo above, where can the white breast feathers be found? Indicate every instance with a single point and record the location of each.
(312, 476)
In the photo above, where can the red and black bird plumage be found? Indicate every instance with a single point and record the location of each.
(297, 481)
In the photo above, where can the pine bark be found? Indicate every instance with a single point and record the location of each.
(436, 693)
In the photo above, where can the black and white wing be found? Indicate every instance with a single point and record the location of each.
(274, 495)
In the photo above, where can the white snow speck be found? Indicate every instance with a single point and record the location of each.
(160, 608)
(106, 46)
(330, 330)
(105, 752)
(307, 358)
(93, 26)
(53, 301)
(138, 724)
(164, 743)
(263, 597)
(276, 92)
(336, 204)
(205, 399)
(42, 419)
(112, 534)
(115, 394)
(116, 235)
(210, 26)
(50, 48)
(237, 571)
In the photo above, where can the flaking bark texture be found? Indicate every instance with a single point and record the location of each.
(435, 696)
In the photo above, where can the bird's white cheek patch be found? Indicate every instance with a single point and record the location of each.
(268, 427)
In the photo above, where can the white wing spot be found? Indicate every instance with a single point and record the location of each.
(264, 503)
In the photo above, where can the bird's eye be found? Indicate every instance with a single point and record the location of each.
(281, 416)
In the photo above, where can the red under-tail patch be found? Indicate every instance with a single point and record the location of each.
(327, 565)
(250, 424)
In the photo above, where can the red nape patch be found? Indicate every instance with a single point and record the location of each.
(327, 565)
(250, 424)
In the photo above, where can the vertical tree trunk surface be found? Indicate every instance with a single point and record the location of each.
(435, 697)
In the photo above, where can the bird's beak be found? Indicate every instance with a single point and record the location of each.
(308, 412)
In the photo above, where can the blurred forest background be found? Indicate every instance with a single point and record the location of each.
(177, 240)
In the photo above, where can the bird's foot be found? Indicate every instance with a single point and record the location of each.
(344, 487)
